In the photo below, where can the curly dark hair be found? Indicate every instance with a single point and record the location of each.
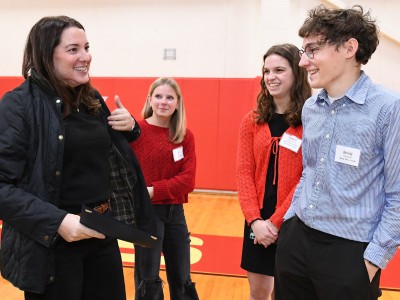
(299, 92)
(336, 26)
(44, 36)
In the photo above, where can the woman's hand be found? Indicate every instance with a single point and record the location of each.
(120, 119)
(150, 189)
(265, 232)
(72, 230)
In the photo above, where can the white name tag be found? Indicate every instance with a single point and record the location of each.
(347, 155)
(290, 142)
(178, 153)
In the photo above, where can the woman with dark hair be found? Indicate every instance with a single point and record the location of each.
(60, 150)
(166, 151)
(269, 145)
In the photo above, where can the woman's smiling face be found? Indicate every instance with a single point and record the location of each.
(71, 58)
(278, 76)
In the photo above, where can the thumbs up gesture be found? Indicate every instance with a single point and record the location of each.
(120, 119)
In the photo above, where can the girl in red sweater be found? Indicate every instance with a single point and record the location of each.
(166, 153)
(269, 145)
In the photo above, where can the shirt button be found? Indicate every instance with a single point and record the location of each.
(322, 159)
(332, 112)
(58, 101)
(317, 183)
(328, 136)
(58, 173)
(46, 237)
(60, 137)
(311, 206)
(51, 278)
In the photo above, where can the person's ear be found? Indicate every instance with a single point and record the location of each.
(148, 100)
(351, 47)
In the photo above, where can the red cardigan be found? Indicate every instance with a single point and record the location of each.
(254, 151)
(172, 180)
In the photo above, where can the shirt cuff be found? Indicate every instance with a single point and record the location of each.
(378, 255)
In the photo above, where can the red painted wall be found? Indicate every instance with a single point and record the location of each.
(214, 107)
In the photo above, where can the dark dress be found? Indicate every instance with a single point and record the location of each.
(255, 257)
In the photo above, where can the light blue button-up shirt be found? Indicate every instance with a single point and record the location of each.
(353, 192)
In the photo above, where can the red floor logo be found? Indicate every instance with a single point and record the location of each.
(208, 253)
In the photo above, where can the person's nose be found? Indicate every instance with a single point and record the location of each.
(85, 56)
(304, 60)
(271, 76)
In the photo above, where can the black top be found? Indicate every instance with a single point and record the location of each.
(277, 126)
(85, 176)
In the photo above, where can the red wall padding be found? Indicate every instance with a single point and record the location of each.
(214, 107)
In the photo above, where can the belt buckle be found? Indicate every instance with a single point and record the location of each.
(102, 208)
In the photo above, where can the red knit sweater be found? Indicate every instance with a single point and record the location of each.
(254, 151)
(172, 180)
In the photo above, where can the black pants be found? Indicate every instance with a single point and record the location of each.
(313, 265)
(86, 270)
(174, 242)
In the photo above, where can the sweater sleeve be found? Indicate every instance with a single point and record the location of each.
(183, 182)
(245, 170)
(277, 217)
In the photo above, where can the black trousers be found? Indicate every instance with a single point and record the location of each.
(86, 270)
(174, 242)
(312, 265)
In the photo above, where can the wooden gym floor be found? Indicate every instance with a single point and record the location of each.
(210, 214)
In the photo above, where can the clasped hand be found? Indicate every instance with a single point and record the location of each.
(265, 232)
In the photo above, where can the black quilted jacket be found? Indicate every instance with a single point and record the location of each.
(31, 159)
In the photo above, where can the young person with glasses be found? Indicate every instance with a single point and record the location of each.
(343, 225)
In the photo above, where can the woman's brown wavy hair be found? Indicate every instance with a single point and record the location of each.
(299, 92)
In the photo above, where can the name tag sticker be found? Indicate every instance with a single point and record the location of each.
(290, 142)
(178, 153)
(347, 155)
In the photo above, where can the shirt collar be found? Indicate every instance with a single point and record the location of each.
(357, 93)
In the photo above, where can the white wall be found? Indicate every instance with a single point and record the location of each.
(213, 38)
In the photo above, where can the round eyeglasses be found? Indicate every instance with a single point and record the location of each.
(308, 51)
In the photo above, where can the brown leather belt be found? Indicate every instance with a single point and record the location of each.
(103, 207)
